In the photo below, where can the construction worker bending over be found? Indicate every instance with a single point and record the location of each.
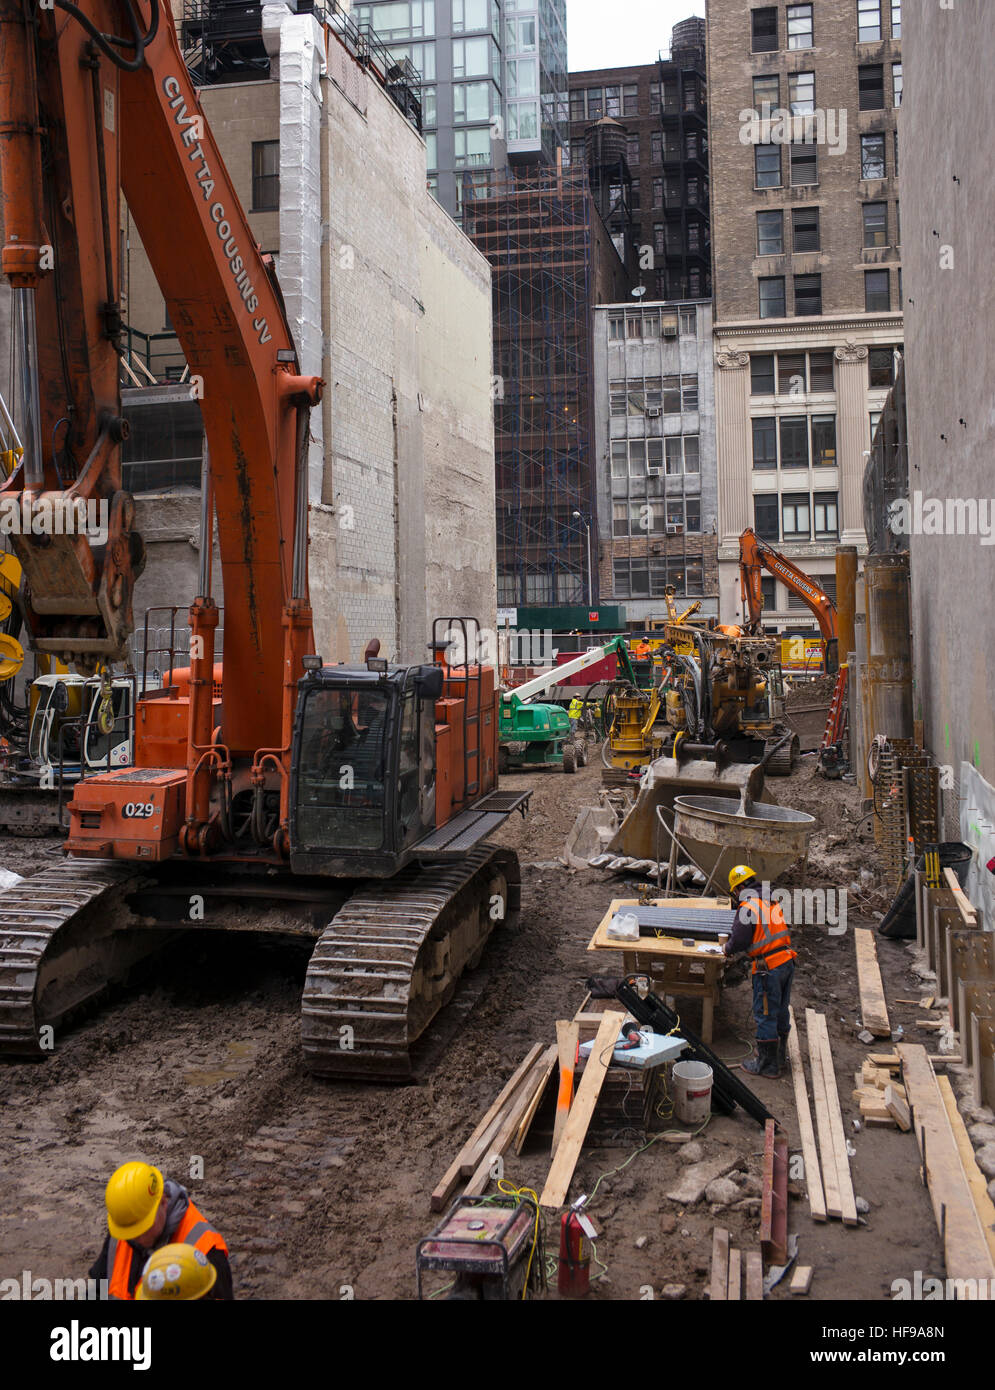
(144, 1213)
(761, 931)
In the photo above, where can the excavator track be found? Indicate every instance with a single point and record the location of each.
(59, 947)
(782, 763)
(390, 958)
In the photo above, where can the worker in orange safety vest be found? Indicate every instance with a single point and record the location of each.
(144, 1213)
(761, 931)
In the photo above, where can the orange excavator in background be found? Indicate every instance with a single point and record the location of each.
(755, 555)
(350, 806)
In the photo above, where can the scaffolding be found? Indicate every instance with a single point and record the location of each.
(536, 229)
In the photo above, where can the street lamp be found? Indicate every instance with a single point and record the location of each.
(590, 586)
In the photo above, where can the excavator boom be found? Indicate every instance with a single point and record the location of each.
(755, 555)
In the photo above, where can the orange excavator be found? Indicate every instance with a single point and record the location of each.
(755, 556)
(348, 805)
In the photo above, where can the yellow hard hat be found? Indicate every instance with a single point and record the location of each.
(133, 1195)
(179, 1272)
(739, 875)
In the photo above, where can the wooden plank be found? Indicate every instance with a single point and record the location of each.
(897, 1108)
(735, 1274)
(966, 1251)
(873, 1008)
(529, 1116)
(776, 1250)
(810, 1154)
(767, 1184)
(801, 1280)
(754, 1269)
(976, 1180)
(966, 909)
(565, 1159)
(827, 1150)
(510, 1120)
(469, 1155)
(847, 1200)
(890, 1060)
(718, 1289)
(566, 1050)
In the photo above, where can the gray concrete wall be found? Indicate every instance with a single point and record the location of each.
(948, 211)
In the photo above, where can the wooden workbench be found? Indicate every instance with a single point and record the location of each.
(679, 970)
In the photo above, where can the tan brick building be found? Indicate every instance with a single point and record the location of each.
(804, 148)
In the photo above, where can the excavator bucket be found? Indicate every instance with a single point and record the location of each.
(641, 836)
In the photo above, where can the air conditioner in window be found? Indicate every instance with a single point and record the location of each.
(653, 412)
(675, 530)
(653, 470)
(669, 330)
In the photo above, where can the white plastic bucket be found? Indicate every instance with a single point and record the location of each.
(692, 1092)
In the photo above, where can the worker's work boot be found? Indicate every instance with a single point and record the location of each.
(782, 1050)
(765, 1063)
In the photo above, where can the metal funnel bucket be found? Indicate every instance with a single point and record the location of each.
(719, 834)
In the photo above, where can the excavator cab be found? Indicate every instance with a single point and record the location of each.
(363, 774)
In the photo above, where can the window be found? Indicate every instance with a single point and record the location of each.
(431, 150)
(772, 297)
(804, 165)
(805, 229)
(872, 157)
(671, 395)
(630, 100)
(801, 93)
(401, 20)
(808, 294)
(675, 459)
(634, 195)
(795, 516)
(766, 92)
(820, 371)
(632, 148)
(800, 26)
(762, 374)
(877, 290)
(691, 455)
(654, 98)
(896, 83)
(471, 101)
(521, 77)
(875, 419)
(881, 367)
(656, 146)
(770, 233)
(613, 100)
(471, 57)
(870, 84)
(467, 14)
(616, 327)
(896, 153)
(896, 19)
(688, 323)
(826, 524)
(868, 20)
(633, 326)
(576, 106)
(875, 224)
(265, 175)
(689, 393)
(523, 120)
(659, 245)
(764, 443)
(768, 586)
(658, 193)
(767, 165)
(824, 441)
(595, 103)
(472, 146)
(692, 514)
(790, 373)
(765, 520)
(794, 441)
(693, 192)
(764, 30)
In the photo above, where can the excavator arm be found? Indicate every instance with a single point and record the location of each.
(755, 555)
(96, 101)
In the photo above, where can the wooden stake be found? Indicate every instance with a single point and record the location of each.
(567, 1034)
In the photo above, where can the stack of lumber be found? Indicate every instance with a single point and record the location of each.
(508, 1116)
(882, 1098)
(732, 1268)
(827, 1166)
(963, 1210)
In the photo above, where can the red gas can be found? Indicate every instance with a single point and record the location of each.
(573, 1276)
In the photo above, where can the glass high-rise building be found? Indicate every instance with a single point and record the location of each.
(494, 84)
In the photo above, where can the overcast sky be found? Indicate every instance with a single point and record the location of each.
(622, 33)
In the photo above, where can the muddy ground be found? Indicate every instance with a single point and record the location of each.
(321, 1189)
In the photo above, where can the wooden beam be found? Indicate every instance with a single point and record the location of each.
(469, 1155)
(966, 909)
(735, 1274)
(767, 1184)
(976, 1180)
(565, 1159)
(847, 1200)
(873, 1008)
(810, 1154)
(754, 1276)
(801, 1280)
(897, 1108)
(510, 1120)
(566, 1050)
(966, 1252)
(529, 1116)
(718, 1289)
(827, 1149)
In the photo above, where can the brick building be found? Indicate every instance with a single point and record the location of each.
(804, 147)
